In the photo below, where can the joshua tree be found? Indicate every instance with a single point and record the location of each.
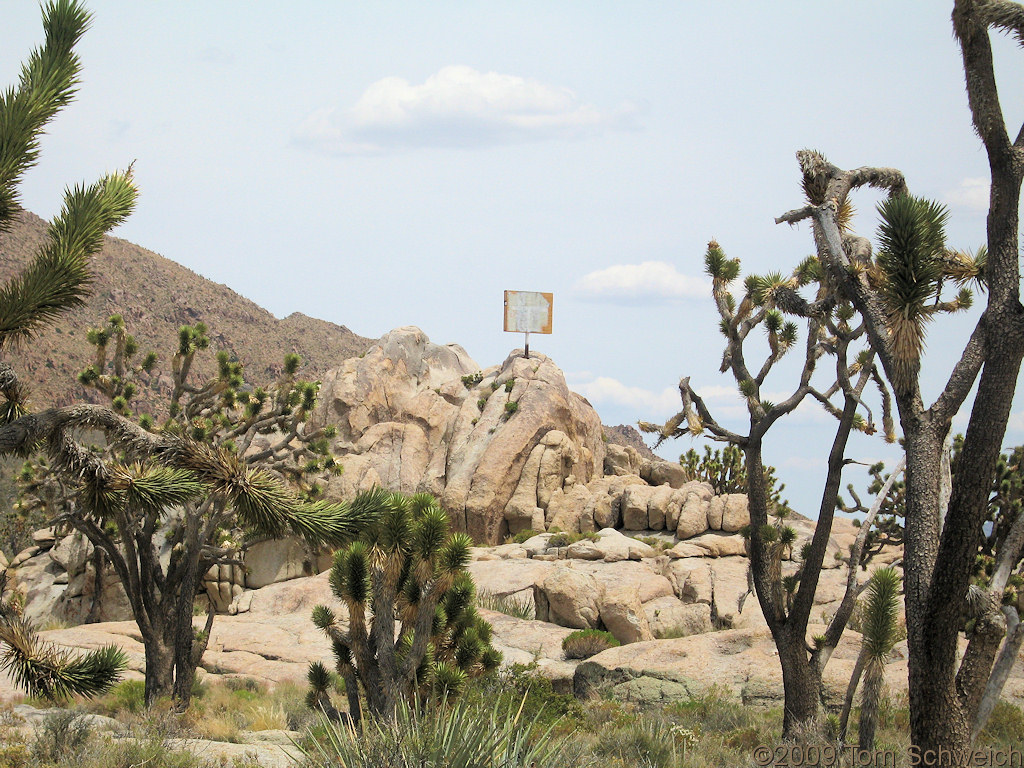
(44, 670)
(55, 281)
(893, 294)
(121, 497)
(998, 576)
(407, 568)
(787, 601)
(214, 484)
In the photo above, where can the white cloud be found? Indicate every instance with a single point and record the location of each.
(653, 404)
(972, 193)
(611, 391)
(647, 281)
(456, 107)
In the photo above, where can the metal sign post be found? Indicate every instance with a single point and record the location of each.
(528, 312)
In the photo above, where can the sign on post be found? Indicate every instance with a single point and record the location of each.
(528, 312)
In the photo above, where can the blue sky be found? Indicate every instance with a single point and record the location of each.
(384, 164)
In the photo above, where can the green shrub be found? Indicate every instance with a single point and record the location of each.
(1005, 724)
(522, 536)
(521, 685)
(655, 542)
(715, 711)
(511, 407)
(14, 756)
(561, 539)
(127, 696)
(586, 642)
(509, 384)
(649, 742)
(133, 753)
(472, 379)
(481, 403)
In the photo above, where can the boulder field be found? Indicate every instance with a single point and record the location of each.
(615, 540)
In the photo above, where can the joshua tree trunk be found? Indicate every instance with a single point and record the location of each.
(869, 701)
(99, 562)
(851, 692)
(159, 669)
(802, 685)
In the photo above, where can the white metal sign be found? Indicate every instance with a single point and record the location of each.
(528, 312)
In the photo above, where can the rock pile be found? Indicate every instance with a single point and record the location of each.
(641, 592)
(506, 448)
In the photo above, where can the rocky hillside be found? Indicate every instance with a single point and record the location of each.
(157, 296)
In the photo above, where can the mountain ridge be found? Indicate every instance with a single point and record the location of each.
(155, 296)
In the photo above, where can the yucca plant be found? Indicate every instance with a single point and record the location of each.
(55, 281)
(412, 626)
(880, 628)
(190, 477)
(909, 269)
(45, 670)
(449, 734)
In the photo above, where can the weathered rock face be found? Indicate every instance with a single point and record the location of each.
(498, 449)
(59, 581)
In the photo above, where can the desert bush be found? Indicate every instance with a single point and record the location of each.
(564, 538)
(522, 536)
(647, 742)
(135, 753)
(655, 542)
(559, 540)
(291, 699)
(14, 755)
(1005, 725)
(470, 380)
(62, 737)
(519, 607)
(522, 685)
(126, 696)
(586, 642)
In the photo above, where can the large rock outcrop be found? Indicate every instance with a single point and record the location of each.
(506, 449)
(498, 446)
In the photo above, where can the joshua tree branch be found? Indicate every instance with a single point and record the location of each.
(961, 378)
(971, 19)
(842, 616)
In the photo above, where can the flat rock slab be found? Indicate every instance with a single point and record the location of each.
(742, 663)
(272, 646)
(218, 753)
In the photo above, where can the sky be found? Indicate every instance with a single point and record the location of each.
(397, 163)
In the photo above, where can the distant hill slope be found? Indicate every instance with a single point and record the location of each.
(156, 296)
(625, 434)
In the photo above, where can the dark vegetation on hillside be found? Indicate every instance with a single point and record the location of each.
(156, 296)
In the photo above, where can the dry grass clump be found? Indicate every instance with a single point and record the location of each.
(587, 642)
(519, 607)
(220, 711)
